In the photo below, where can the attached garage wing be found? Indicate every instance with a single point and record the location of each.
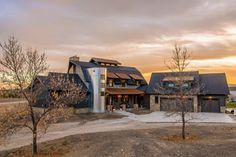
(172, 104)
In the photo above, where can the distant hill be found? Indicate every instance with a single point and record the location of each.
(232, 88)
(232, 85)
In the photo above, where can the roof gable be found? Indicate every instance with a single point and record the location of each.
(214, 84)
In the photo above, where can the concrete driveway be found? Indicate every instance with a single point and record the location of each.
(164, 117)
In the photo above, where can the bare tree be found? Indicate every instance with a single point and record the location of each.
(21, 69)
(184, 86)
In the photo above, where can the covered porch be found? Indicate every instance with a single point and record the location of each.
(119, 97)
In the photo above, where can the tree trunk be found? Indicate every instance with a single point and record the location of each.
(34, 146)
(183, 125)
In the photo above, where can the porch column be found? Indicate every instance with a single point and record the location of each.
(195, 104)
(154, 106)
(110, 100)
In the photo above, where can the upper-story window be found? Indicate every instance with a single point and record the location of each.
(110, 83)
(102, 85)
(123, 83)
(102, 77)
(169, 84)
(185, 85)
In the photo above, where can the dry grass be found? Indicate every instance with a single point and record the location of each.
(178, 138)
(208, 141)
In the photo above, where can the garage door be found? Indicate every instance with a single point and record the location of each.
(170, 104)
(210, 105)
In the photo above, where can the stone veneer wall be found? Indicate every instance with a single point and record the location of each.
(153, 105)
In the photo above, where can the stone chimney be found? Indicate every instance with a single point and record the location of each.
(74, 58)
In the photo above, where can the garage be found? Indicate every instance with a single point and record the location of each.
(171, 104)
(210, 105)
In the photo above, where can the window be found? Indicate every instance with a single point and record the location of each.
(102, 85)
(102, 77)
(171, 85)
(168, 84)
(137, 83)
(156, 99)
(185, 85)
(102, 93)
(123, 83)
(110, 83)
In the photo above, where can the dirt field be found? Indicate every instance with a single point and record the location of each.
(211, 141)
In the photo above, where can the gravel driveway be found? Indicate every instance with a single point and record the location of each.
(127, 123)
(162, 117)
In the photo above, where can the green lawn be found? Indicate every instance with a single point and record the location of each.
(231, 105)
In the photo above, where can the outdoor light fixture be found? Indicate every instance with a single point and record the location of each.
(210, 97)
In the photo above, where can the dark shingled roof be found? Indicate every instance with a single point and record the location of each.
(84, 64)
(214, 84)
(42, 79)
(45, 79)
(156, 79)
(112, 69)
(126, 70)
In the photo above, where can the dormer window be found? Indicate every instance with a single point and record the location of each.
(168, 85)
(185, 85)
(171, 85)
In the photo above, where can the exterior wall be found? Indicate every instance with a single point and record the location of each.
(146, 102)
(98, 86)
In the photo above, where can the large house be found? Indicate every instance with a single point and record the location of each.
(110, 85)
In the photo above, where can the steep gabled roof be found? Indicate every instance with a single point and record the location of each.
(214, 84)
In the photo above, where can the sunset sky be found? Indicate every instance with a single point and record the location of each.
(139, 33)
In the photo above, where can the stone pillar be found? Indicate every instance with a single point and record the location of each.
(195, 104)
(153, 105)
(222, 109)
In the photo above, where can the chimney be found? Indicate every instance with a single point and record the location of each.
(74, 58)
